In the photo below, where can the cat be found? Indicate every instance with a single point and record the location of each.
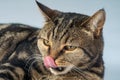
(68, 47)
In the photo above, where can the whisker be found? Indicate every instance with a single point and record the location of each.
(31, 59)
(34, 57)
(80, 72)
(36, 60)
(31, 65)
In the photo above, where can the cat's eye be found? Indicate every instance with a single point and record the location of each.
(70, 48)
(46, 42)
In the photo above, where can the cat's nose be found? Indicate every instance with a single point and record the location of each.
(54, 53)
(49, 62)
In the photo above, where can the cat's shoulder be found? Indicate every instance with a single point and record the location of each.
(16, 31)
(12, 34)
(16, 27)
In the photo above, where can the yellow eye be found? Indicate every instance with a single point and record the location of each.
(46, 42)
(70, 48)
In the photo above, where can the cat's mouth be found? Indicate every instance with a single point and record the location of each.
(60, 70)
(55, 69)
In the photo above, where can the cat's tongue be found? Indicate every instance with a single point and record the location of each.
(49, 62)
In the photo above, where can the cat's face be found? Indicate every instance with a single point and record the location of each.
(69, 40)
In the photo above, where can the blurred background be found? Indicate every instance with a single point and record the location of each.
(27, 12)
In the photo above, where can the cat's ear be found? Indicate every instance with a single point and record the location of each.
(96, 22)
(48, 13)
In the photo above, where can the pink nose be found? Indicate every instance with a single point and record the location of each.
(49, 62)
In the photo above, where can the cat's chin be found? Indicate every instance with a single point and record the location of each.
(60, 70)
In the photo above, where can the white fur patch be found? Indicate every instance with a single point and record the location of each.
(63, 72)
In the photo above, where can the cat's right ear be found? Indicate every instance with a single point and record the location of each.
(48, 13)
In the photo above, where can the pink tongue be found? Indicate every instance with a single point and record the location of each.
(49, 62)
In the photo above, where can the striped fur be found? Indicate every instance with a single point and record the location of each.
(17, 46)
(74, 41)
(82, 32)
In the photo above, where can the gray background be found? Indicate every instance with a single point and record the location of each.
(27, 12)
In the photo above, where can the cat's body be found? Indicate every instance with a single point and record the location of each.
(68, 47)
(17, 44)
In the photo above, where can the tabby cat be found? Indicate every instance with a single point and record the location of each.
(68, 47)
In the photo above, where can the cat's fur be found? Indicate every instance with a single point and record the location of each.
(74, 41)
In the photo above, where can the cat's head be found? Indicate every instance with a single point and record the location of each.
(70, 40)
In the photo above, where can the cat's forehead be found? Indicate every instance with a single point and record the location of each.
(65, 25)
(74, 17)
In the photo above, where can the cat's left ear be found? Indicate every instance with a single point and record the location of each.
(96, 22)
(48, 13)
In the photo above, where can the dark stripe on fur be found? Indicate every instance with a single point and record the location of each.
(9, 68)
(97, 73)
(6, 76)
(87, 52)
